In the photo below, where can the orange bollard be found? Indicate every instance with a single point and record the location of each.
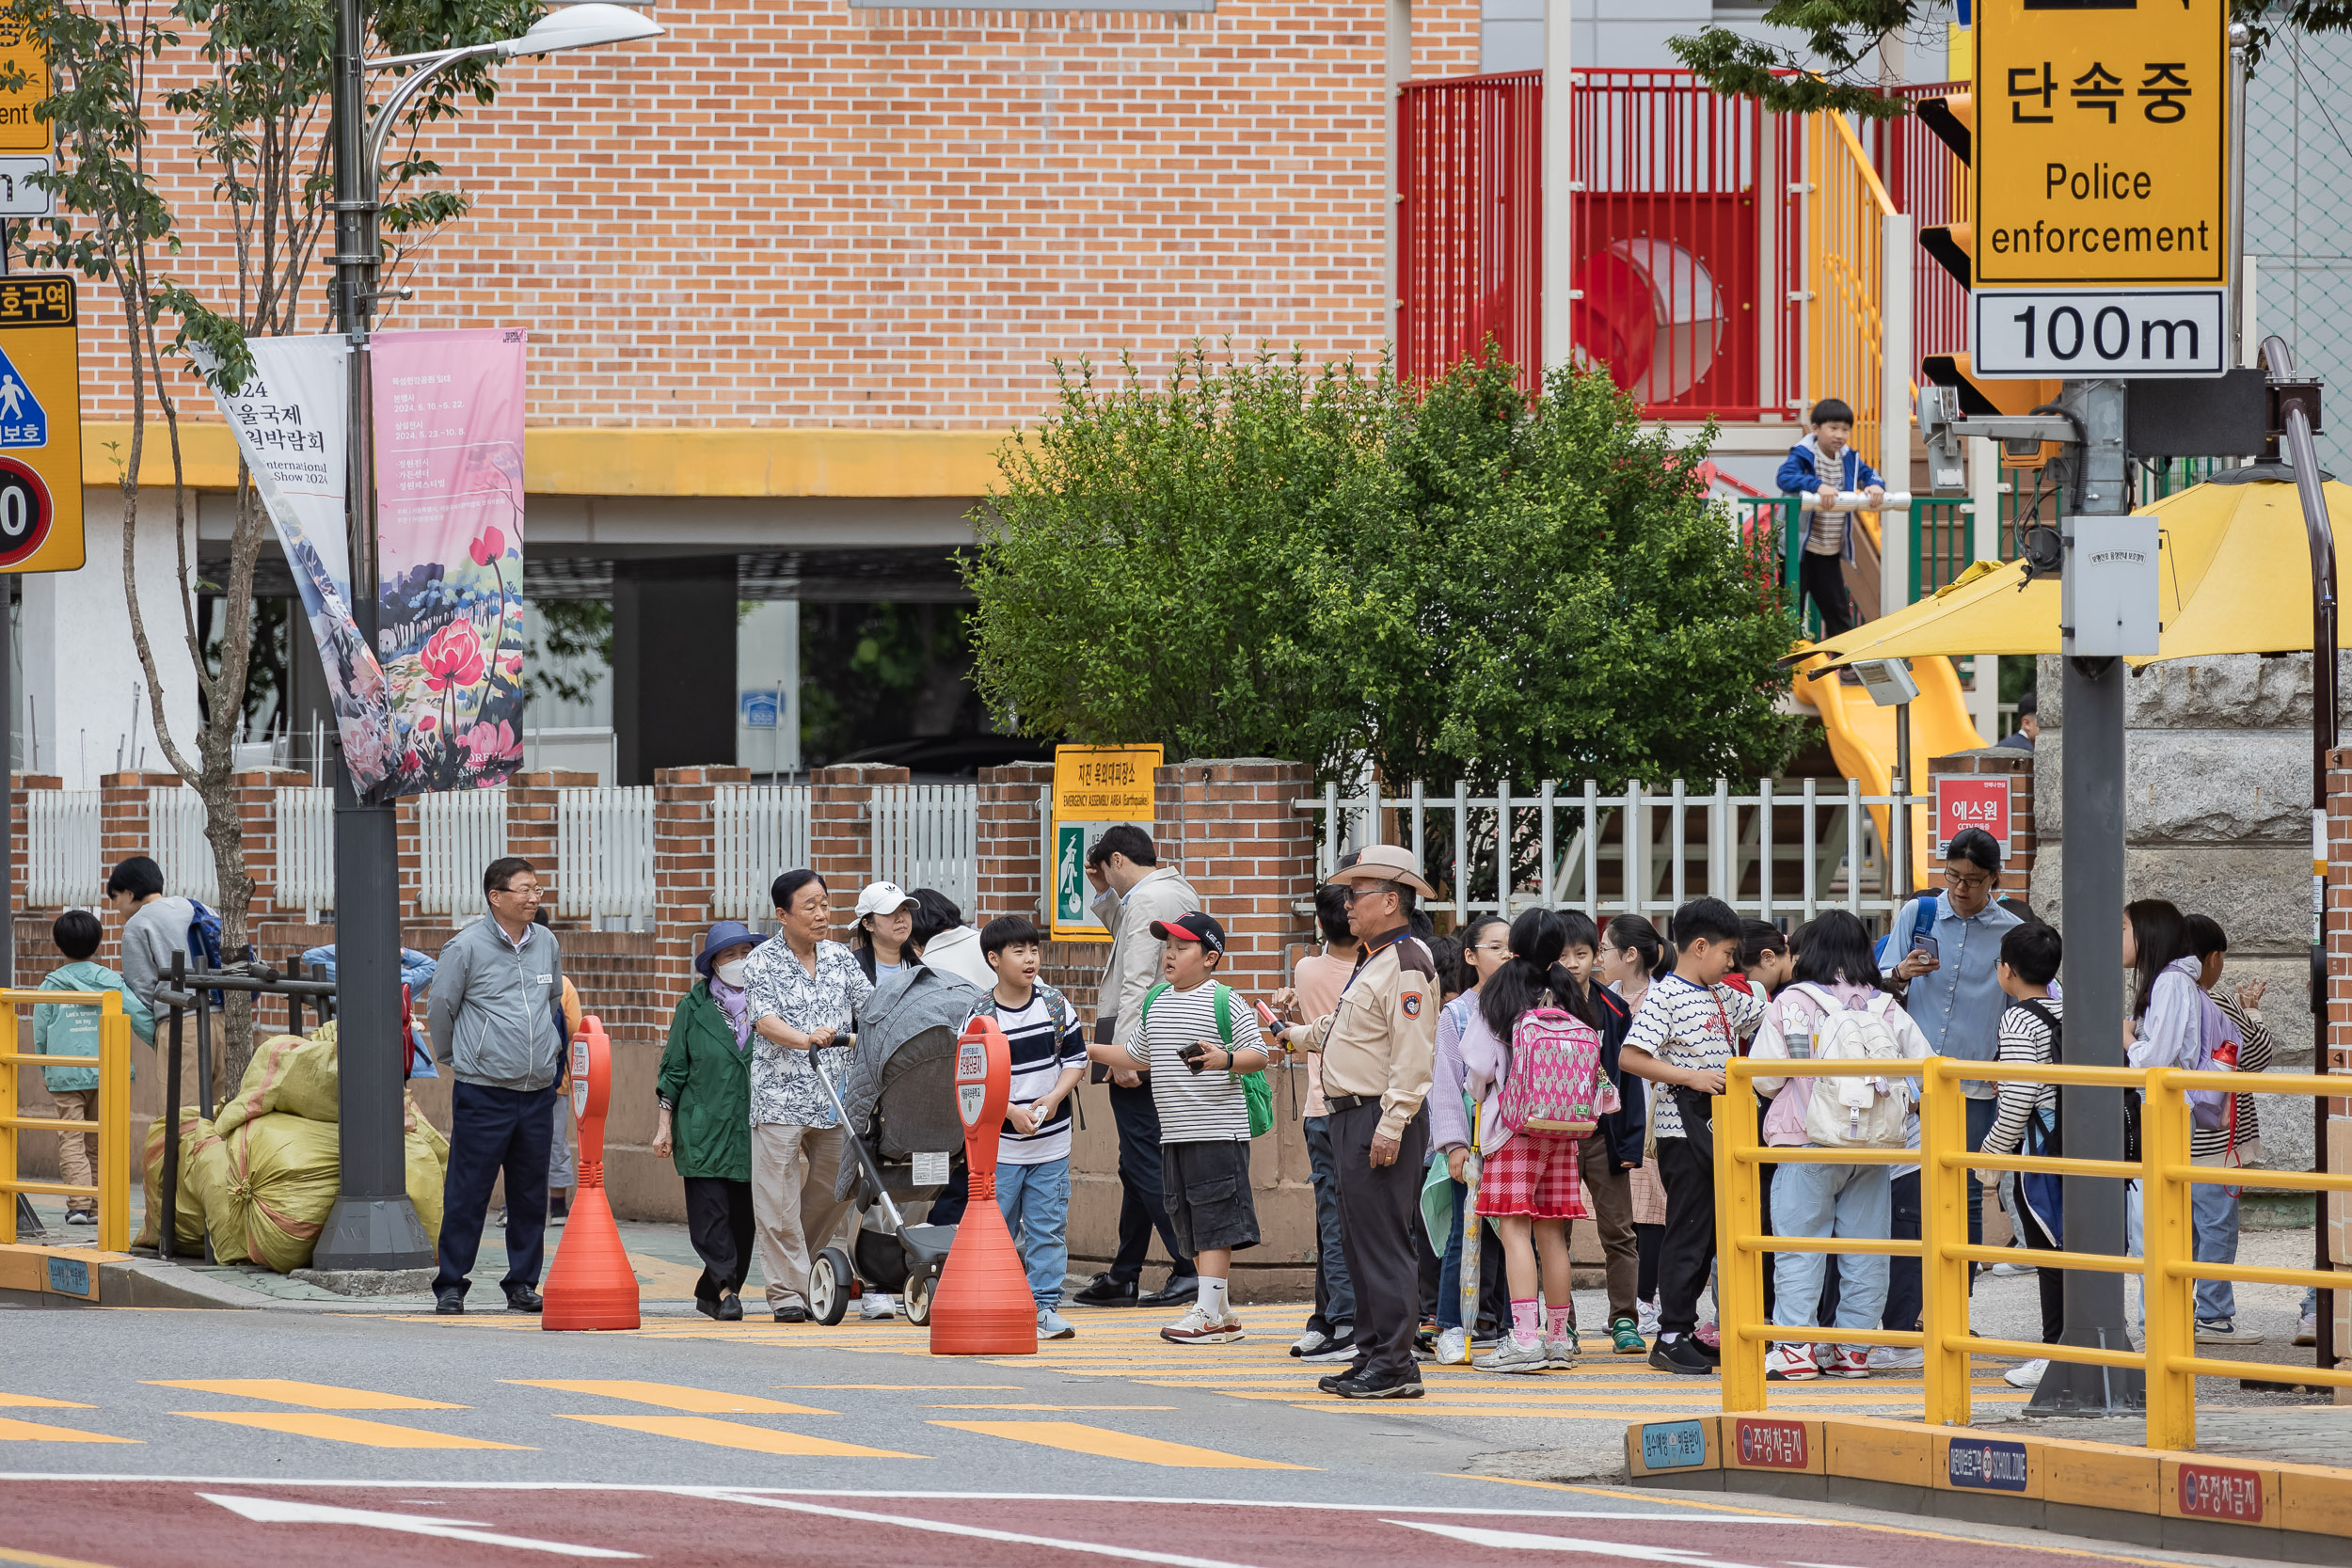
(591, 1284)
(981, 1304)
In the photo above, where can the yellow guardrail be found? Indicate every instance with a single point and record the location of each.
(2169, 1268)
(113, 1125)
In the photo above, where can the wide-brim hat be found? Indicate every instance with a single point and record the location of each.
(1384, 863)
(725, 934)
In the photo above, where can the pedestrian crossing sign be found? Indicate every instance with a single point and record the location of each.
(23, 423)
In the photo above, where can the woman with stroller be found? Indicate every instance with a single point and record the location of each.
(704, 1094)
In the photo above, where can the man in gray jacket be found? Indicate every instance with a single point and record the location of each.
(495, 1015)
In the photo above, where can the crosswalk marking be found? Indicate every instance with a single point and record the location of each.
(1103, 1442)
(34, 1401)
(1053, 1407)
(311, 1395)
(906, 1387)
(345, 1429)
(42, 1560)
(741, 1434)
(13, 1431)
(672, 1396)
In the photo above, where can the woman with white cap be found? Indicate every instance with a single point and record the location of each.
(704, 1088)
(885, 919)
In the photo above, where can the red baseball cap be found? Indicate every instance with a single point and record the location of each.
(1195, 927)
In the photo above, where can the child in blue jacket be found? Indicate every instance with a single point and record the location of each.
(1825, 463)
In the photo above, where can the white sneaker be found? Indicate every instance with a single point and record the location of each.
(1898, 1358)
(2225, 1331)
(1052, 1325)
(874, 1306)
(1847, 1361)
(1790, 1364)
(2307, 1332)
(1197, 1328)
(1516, 1354)
(2026, 1374)
(1319, 1350)
(1454, 1348)
(1649, 1311)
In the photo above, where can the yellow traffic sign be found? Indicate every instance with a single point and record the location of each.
(1095, 788)
(40, 425)
(2102, 142)
(20, 49)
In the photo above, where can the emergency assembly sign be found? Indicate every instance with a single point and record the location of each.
(1095, 788)
(2100, 142)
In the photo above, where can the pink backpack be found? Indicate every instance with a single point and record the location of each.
(1555, 1088)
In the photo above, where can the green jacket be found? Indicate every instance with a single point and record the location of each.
(706, 1082)
(69, 1029)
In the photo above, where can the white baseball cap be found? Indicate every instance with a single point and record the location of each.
(881, 898)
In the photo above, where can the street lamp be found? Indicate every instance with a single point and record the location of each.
(374, 1227)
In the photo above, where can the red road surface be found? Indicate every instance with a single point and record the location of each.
(177, 1525)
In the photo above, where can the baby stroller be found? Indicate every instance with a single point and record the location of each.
(897, 1102)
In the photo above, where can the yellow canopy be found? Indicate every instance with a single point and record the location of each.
(2234, 576)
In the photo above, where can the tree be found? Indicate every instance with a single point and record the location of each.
(258, 117)
(1841, 37)
(1454, 583)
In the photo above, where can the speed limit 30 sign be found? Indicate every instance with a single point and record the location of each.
(40, 425)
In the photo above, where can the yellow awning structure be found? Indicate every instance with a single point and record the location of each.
(2234, 576)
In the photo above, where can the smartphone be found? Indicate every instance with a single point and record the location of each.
(1922, 942)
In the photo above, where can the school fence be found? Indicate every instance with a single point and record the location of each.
(757, 832)
(458, 835)
(1778, 850)
(305, 851)
(603, 846)
(62, 863)
(111, 1120)
(927, 835)
(2170, 1270)
(175, 827)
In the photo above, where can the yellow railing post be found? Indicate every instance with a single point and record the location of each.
(1944, 1225)
(113, 1125)
(2168, 1239)
(8, 1114)
(1739, 1210)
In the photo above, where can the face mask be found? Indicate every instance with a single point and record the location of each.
(731, 971)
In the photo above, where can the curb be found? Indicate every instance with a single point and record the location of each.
(84, 1276)
(2141, 1496)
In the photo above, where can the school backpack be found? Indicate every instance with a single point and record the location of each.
(1255, 1090)
(1866, 1112)
(1555, 1086)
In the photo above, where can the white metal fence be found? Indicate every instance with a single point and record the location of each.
(1784, 850)
(757, 832)
(61, 854)
(306, 851)
(604, 856)
(929, 835)
(458, 835)
(174, 836)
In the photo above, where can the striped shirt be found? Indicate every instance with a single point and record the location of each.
(1038, 1060)
(2025, 1039)
(1827, 534)
(2254, 1055)
(1195, 1107)
(1691, 1026)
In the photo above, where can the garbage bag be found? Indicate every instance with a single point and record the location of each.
(223, 1227)
(290, 1073)
(425, 1154)
(279, 1180)
(188, 1234)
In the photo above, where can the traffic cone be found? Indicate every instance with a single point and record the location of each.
(981, 1304)
(591, 1284)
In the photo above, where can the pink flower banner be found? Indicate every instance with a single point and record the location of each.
(449, 464)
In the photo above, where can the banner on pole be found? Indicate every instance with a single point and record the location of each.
(449, 464)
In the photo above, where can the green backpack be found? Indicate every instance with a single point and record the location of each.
(1254, 1087)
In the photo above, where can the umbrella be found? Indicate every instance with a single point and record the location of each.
(2234, 576)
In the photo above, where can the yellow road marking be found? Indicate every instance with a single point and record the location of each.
(741, 1434)
(41, 1560)
(1053, 1407)
(40, 1432)
(908, 1387)
(1101, 1442)
(672, 1396)
(345, 1429)
(313, 1396)
(34, 1401)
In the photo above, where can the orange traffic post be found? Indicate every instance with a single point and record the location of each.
(590, 1285)
(982, 1306)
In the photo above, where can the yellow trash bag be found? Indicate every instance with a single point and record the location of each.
(209, 1157)
(290, 1075)
(188, 1234)
(425, 1154)
(280, 1178)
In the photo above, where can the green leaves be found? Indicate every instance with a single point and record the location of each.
(1265, 558)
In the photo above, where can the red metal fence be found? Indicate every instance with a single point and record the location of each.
(1928, 183)
(1469, 224)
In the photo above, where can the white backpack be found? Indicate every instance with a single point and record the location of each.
(1853, 1112)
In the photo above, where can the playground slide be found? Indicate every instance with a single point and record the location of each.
(1861, 740)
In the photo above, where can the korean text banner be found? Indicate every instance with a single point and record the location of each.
(449, 463)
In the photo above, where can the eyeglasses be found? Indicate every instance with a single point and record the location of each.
(527, 892)
(1359, 890)
(1978, 882)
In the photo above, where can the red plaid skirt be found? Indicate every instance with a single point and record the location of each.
(1535, 1177)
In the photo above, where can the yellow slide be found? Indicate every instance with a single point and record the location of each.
(1861, 740)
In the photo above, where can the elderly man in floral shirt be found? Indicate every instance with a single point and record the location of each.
(803, 992)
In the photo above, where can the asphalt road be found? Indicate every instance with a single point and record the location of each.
(188, 1437)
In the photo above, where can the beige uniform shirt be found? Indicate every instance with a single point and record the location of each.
(1380, 1041)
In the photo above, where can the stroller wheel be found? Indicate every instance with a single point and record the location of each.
(917, 1299)
(829, 1286)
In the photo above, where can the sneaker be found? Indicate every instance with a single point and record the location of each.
(1823, 1353)
(1516, 1354)
(559, 1209)
(1197, 1328)
(1898, 1358)
(1560, 1352)
(2307, 1332)
(1790, 1364)
(1682, 1356)
(2006, 1271)
(1709, 1335)
(875, 1306)
(1648, 1322)
(1849, 1361)
(2224, 1331)
(1454, 1348)
(2026, 1374)
(1625, 1337)
(1052, 1325)
(1329, 1383)
(1341, 1346)
(81, 1217)
(1425, 1347)
(1353, 1387)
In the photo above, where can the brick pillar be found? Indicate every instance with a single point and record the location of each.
(1010, 876)
(841, 830)
(685, 869)
(122, 832)
(531, 805)
(2017, 766)
(257, 821)
(1230, 826)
